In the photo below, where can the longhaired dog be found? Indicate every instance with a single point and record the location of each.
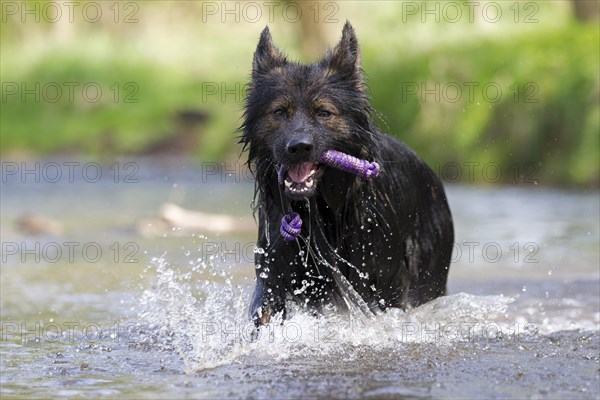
(330, 235)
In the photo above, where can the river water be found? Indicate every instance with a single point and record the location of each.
(97, 309)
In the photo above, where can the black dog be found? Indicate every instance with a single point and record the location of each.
(366, 244)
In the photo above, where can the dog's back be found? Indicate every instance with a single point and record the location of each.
(411, 228)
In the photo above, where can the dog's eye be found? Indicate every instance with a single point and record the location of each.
(280, 112)
(323, 114)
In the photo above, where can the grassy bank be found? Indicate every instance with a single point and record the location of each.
(534, 106)
(527, 101)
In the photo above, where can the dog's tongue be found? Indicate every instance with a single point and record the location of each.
(299, 173)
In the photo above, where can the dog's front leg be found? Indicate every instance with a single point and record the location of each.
(266, 302)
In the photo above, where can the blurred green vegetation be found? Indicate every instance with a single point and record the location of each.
(178, 57)
(532, 106)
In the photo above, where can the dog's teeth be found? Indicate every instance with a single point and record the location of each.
(287, 183)
(310, 183)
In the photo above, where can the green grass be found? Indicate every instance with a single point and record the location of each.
(547, 115)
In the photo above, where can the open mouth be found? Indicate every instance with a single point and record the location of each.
(300, 180)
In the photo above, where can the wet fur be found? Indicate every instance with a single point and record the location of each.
(389, 238)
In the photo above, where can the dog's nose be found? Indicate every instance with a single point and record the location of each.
(300, 146)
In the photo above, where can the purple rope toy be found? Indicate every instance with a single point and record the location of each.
(362, 168)
(291, 223)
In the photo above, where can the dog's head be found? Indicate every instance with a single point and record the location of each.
(296, 112)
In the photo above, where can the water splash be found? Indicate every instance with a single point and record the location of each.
(201, 313)
(185, 307)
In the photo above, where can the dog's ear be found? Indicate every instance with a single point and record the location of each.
(345, 58)
(266, 56)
